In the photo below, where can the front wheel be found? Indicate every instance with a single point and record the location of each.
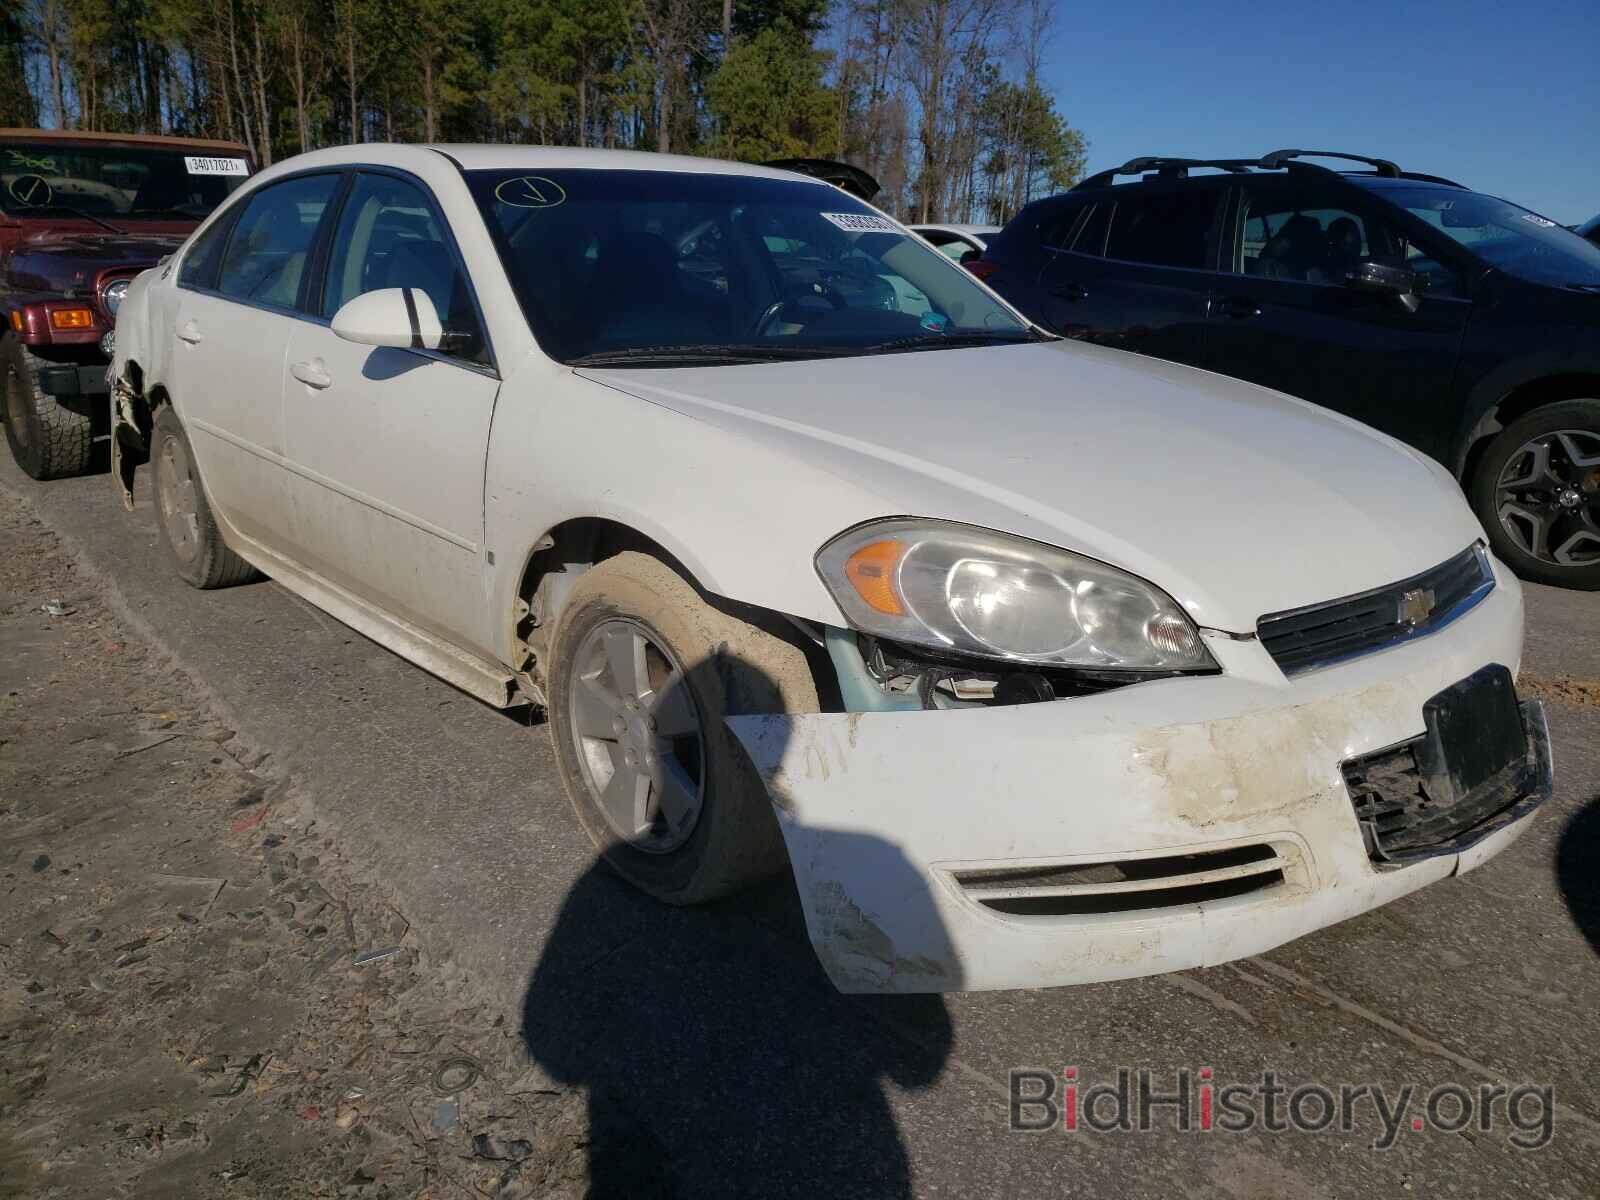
(1537, 492)
(642, 672)
(48, 439)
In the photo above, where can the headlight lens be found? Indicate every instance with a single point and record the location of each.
(113, 295)
(972, 591)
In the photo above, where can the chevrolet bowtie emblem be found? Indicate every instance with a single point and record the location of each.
(1416, 606)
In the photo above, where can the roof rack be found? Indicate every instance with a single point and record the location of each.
(1165, 168)
(1277, 160)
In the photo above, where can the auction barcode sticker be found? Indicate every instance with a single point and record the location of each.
(862, 222)
(216, 166)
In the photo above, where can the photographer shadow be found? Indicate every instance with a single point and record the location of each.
(1578, 870)
(716, 1056)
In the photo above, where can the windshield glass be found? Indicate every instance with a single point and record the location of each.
(124, 182)
(1504, 235)
(658, 267)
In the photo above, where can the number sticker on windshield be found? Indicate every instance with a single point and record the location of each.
(530, 191)
(862, 223)
(215, 166)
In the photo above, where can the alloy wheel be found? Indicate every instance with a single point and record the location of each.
(1548, 498)
(639, 736)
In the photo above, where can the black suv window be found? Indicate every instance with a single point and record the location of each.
(1165, 229)
(266, 256)
(1091, 237)
(1308, 234)
(389, 236)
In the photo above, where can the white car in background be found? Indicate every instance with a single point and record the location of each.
(1045, 663)
(955, 242)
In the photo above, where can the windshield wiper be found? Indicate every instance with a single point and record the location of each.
(708, 354)
(74, 212)
(187, 213)
(955, 341)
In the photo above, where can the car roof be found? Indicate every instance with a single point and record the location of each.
(127, 139)
(477, 157)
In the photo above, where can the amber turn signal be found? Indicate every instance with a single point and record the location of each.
(871, 571)
(71, 318)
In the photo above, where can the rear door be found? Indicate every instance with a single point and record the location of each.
(1284, 316)
(1137, 271)
(239, 290)
(386, 447)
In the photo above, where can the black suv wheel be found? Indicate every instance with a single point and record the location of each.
(1537, 492)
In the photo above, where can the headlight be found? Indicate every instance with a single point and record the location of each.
(972, 591)
(113, 294)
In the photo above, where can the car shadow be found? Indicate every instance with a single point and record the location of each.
(716, 1057)
(1578, 870)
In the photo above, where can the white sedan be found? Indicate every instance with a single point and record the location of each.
(955, 242)
(1037, 662)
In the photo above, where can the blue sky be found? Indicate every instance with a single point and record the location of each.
(1503, 97)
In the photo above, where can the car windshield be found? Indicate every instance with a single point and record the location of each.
(1519, 242)
(120, 182)
(659, 268)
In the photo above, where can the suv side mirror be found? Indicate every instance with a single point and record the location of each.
(1369, 275)
(402, 317)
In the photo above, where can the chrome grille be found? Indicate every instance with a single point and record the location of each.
(1306, 638)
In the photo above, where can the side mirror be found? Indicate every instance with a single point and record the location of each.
(1369, 275)
(402, 317)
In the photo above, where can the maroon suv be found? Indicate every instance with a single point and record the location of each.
(80, 215)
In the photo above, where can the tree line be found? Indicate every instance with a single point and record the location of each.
(941, 100)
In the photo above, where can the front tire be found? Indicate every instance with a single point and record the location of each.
(189, 532)
(642, 672)
(48, 439)
(1537, 492)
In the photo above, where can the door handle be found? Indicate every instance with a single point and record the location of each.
(1072, 291)
(189, 332)
(1238, 308)
(312, 374)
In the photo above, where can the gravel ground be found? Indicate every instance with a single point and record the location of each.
(184, 1009)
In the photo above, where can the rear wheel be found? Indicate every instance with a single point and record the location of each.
(642, 673)
(188, 530)
(48, 439)
(1537, 492)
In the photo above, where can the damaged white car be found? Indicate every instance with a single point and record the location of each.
(1038, 662)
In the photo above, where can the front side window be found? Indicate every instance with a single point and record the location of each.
(389, 236)
(123, 183)
(1504, 235)
(202, 260)
(1164, 229)
(655, 265)
(1307, 235)
(266, 256)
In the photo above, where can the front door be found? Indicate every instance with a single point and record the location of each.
(1284, 316)
(238, 291)
(385, 446)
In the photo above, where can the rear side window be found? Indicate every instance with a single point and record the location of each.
(1171, 229)
(266, 257)
(200, 264)
(1056, 229)
(1091, 237)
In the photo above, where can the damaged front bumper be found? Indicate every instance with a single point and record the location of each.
(1167, 825)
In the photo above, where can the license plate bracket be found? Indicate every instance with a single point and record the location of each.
(1475, 736)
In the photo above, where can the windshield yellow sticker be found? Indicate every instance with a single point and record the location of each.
(530, 191)
(19, 158)
(215, 166)
(862, 223)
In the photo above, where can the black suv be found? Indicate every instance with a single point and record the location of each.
(1460, 323)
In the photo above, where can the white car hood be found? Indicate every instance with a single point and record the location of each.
(1237, 500)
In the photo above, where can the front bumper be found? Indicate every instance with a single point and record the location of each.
(899, 823)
